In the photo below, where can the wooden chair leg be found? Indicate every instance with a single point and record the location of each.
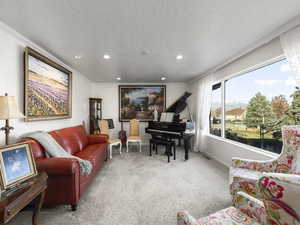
(140, 146)
(110, 151)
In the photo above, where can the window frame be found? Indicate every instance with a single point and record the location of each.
(223, 81)
(212, 89)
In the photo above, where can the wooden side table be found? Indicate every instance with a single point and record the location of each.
(13, 202)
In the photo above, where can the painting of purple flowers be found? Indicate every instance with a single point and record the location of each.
(47, 88)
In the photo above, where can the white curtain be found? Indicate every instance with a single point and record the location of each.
(201, 105)
(290, 42)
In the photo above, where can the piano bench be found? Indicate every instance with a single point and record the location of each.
(154, 142)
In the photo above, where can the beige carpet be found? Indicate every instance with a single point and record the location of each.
(136, 189)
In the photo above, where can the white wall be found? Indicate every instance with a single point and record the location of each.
(109, 93)
(221, 149)
(12, 47)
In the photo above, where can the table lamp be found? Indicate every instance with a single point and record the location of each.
(8, 110)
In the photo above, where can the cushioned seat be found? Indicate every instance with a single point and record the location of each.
(93, 153)
(228, 216)
(113, 140)
(134, 138)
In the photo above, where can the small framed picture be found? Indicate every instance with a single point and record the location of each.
(16, 164)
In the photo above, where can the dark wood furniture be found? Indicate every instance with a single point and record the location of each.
(95, 114)
(154, 142)
(12, 202)
(176, 129)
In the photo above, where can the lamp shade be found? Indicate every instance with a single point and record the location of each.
(9, 108)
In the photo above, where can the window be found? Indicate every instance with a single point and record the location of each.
(258, 103)
(216, 110)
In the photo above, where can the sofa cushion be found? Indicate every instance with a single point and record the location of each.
(72, 139)
(94, 153)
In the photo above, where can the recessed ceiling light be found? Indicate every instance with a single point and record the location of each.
(118, 78)
(179, 57)
(106, 56)
(163, 78)
(77, 56)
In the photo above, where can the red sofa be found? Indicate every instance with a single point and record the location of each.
(66, 183)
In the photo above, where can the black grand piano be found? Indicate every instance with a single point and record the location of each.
(175, 129)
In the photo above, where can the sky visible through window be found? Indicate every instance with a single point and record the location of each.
(270, 81)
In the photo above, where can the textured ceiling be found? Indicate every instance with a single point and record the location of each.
(205, 32)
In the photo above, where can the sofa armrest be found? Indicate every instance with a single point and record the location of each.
(58, 166)
(184, 218)
(97, 139)
(258, 165)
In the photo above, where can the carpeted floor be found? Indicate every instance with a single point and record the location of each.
(136, 189)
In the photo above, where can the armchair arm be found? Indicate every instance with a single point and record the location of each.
(97, 138)
(258, 165)
(280, 195)
(184, 218)
(58, 166)
(251, 206)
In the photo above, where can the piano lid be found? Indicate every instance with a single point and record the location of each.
(180, 104)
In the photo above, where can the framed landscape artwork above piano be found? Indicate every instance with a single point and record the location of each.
(140, 101)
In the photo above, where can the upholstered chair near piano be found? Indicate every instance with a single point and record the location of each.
(104, 129)
(134, 134)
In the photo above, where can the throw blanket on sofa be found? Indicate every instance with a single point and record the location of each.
(55, 150)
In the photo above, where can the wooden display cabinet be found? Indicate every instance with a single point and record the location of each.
(95, 114)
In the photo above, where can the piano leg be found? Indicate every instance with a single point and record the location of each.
(187, 146)
(168, 149)
(174, 148)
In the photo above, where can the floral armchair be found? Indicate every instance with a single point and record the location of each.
(244, 174)
(263, 192)
(279, 205)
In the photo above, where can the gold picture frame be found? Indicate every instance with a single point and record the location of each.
(47, 87)
(139, 101)
(17, 164)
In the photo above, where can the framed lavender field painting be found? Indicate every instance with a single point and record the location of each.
(48, 88)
